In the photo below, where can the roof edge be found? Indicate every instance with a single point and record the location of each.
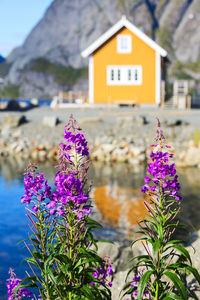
(123, 22)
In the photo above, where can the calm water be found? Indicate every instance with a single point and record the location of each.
(118, 205)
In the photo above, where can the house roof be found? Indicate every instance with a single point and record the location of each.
(123, 22)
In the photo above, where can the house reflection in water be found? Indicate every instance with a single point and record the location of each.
(120, 206)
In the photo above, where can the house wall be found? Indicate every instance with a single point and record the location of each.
(141, 54)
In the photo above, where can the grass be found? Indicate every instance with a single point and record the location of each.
(9, 91)
(62, 75)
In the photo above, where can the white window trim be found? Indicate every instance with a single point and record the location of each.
(124, 75)
(158, 78)
(129, 43)
(91, 79)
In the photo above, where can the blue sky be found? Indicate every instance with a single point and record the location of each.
(17, 18)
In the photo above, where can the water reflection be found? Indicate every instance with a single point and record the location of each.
(118, 204)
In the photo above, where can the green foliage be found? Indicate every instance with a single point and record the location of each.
(63, 75)
(164, 36)
(178, 71)
(9, 91)
(63, 258)
(122, 4)
(4, 69)
(63, 261)
(160, 6)
(166, 260)
(194, 66)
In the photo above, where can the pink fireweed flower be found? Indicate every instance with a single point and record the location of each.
(36, 188)
(135, 283)
(104, 274)
(69, 179)
(13, 283)
(162, 176)
(74, 140)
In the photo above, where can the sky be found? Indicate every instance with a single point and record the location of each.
(17, 18)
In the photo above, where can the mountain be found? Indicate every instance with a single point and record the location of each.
(2, 59)
(50, 60)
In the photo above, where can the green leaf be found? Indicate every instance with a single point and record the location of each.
(140, 257)
(32, 260)
(142, 283)
(87, 292)
(174, 242)
(139, 239)
(172, 296)
(184, 252)
(160, 231)
(156, 246)
(187, 267)
(194, 272)
(178, 284)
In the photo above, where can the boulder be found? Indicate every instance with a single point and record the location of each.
(50, 121)
(42, 155)
(98, 155)
(6, 131)
(90, 120)
(193, 157)
(13, 120)
(107, 148)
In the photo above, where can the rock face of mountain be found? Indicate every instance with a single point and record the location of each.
(2, 59)
(50, 60)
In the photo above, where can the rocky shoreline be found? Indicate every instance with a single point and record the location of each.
(126, 140)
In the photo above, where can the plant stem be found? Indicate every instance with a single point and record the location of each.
(156, 294)
(43, 249)
(70, 253)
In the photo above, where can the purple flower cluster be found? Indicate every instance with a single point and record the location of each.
(163, 178)
(103, 274)
(69, 190)
(78, 140)
(75, 141)
(135, 282)
(13, 282)
(36, 188)
(69, 180)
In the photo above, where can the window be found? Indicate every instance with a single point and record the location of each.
(124, 75)
(119, 75)
(112, 74)
(136, 74)
(129, 74)
(124, 43)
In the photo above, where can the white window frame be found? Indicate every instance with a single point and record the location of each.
(127, 75)
(120, 40)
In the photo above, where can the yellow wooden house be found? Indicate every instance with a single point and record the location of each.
(125, 66)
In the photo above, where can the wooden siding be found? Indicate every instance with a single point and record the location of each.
(141, 54)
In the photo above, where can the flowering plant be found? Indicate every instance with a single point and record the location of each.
(166, 259)
(62, 262)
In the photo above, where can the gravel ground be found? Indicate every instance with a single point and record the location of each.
(109, 114)
(90, 117)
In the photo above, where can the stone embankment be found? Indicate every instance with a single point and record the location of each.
(18, 140)
(126, 140)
